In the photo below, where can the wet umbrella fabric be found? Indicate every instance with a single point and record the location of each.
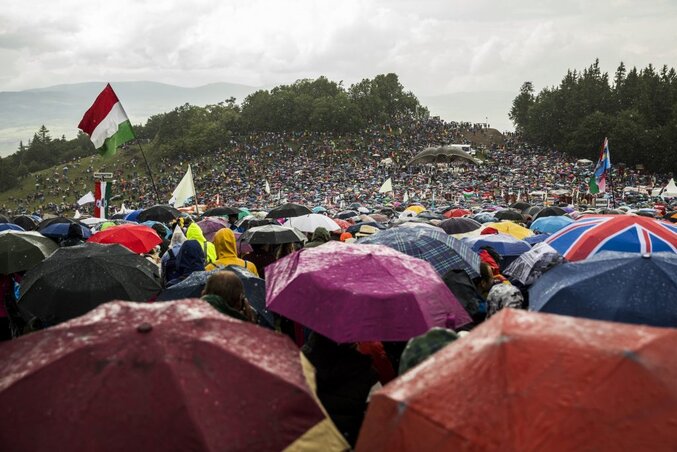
(76, 279)
(60, 231)
(10, 227)
(56, 220)
(619, 287)
(529, 266)
(162, 213)
(538, 238)
(572, 382)
(460, 225)
(133, 215)
(550, 212)
(161, 376)
(310, 222)
(221, 211)
(272, 234)
(520, 206)
(137, 238)
(508, 214)
(211, 225)
(354, 293)
(356, 227)
(347, 214)
(444, 253)
(550, 224)
(21, 251)
(510, 228)
(27, 222)
(254, 288)
(288, 210)
(504, 244)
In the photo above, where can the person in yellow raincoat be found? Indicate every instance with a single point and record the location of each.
(195, 233)
(226, 252)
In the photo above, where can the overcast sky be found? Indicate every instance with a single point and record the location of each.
(436, 46)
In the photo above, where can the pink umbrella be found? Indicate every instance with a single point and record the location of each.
(211, 225)
(354, 293)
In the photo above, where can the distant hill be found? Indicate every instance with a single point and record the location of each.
(61, 107)
(482, 106)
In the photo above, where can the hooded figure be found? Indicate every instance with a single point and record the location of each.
(195, 233)
(320, 236)
(190, 259)
(226, 252)
(168, 261)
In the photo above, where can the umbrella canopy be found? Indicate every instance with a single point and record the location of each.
(671, 216)
(136, 237)
(508, 214)
(521, 206)
(10, 227)
(550, 224)
(76, 279)
(221, 211)
(532, 211)
(272, 234)
(460, 225)
(354, 293)
(625, 233)
(27, 222)
(167, 234)
(504, 244)
(21, 251)
(60, 231)
(550, 212)
(484, 217)
(288, 210)
(56, 220)
(538, 238)
(160, 212)
(529, 381)
(457, 213)
(312, 221)
(355, 228)
(510, 228)
(162, 376)
(346, 214)
(444, 253)
(254, 288)
(343, 224)
(211, 225)
(621, 287)
(319, 209)
(132, 216)
(528, 267)
(415, 209)
(380, 217)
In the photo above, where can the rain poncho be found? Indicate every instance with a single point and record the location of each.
(503, 296)
(320, 236)
(190, 259)
(195, 233)
(168, 261)
(226, 252)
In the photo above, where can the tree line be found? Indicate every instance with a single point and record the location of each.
(319, 105)
(636, 110)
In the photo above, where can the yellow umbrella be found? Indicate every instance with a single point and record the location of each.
(416, 209)
(508, 227)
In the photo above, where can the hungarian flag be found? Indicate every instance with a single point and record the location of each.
(106, 123)
(101, 199)
(468, 192)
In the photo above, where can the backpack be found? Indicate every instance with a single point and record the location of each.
(170, 269)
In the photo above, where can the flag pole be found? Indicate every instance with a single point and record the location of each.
(192, 184)
(611, 189)
(150, 173)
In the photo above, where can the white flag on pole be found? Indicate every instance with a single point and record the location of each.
(267, 187)
(89, 197)
(387, 186)
(184, 191)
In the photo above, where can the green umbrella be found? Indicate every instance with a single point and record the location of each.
(23, 250)
(243, 213)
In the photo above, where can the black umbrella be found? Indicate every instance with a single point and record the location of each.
(254, 288)
(249, 223)
(521, 206)
(162, 213)
(671, 216)
(272, 234)
(508, 214)
(118, 216)
(460, 225)
(75, 280)
(430, 216)
(26, 221)
(347, 214)
(550, 212)
(356, 227)
(221, 211)
(21, 250)
(288, 210)
(57, 220)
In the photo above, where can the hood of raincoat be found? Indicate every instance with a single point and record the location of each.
(190, 258)
(178, 237)
(226, 246)
(195, 233)
(321, 235)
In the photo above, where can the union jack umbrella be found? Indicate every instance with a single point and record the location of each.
(628, 233)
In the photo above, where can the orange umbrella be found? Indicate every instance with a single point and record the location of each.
(528, 381)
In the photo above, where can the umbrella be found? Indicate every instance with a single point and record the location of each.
(671, 216)
(161, 213)
(418, 224)
(272, 234)
(520, 206)
(161, 376)
(288, 210)
(152, 224)
(504, 244)
(56, 220)
(133, 215)
(319, 209)
(221, 211)
(310, 222)
(484, 217)
(254, 288)
(76, 279)
(354, 293)
(507, 214)
(21, 251)
(343, 224)
(356, 227)
(347, 214)
(457, 213)
(430, 216)
(415, 209)
(550, 224)
(137, 238)
(27, 222)
(10, 227)
(459, 225)
(538, 238)
(620, 287)
(510, 228)
(60, 231)
(626, 233)
(364, 210)
(532, 211)
(529, 381)
(211, 225)
(380, 217)
(550, 212)
(444, 253)
(529, 266)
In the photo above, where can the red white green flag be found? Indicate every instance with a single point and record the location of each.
(106, 123)
(101, 199)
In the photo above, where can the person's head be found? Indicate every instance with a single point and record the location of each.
(486, 279)
(228, 286)
(75, 231)
(321, 234)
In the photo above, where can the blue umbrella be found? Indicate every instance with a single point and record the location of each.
(10, 227)
(538, 238)
(133, 215)
(151, 223)
(504, 244)
(483, 217)
(550, 224)
(620, 287)
(443, 252)
(319, 209)
(60, 231)
(356, 227)
(254, 288)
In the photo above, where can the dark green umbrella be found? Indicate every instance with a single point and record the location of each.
(20, 250)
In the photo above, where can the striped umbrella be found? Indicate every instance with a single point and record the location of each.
(626, 233)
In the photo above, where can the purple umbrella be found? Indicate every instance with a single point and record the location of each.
(211, 225)
(355, 293)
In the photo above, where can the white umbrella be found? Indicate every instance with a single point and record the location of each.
(312, 221)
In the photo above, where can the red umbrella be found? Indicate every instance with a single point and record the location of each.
(136, 237)
(457, 213)
(165, 376)
(528, 381)
(342, 223)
